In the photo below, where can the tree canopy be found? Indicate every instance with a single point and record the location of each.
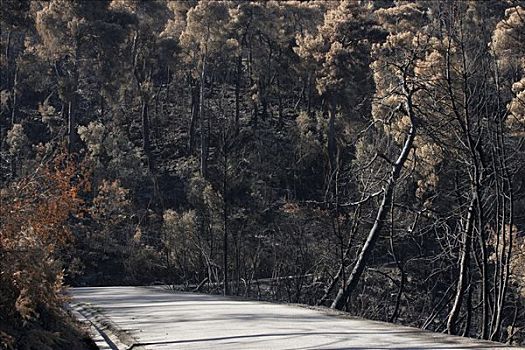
(363, 155)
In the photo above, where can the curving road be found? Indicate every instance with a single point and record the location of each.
(154, 318)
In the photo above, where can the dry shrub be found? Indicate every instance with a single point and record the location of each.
(35, 213)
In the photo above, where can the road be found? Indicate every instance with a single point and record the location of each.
(155, 318)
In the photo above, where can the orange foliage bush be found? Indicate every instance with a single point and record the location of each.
(34, 214)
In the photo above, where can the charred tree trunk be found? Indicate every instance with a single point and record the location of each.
(195, 105)
(202, 123)
(399, 264)
(484, 271)
(332, 285)
(8, 49)
(237, 94)
(332, 147)
(341, 272)
(344, 294)
(280, 101)
(14, 106)
(309, 96)
(463, 269)
(502, 279)
(264, 105)
(146, 145)
(226, 289)
(71, 127)
(468, 317)
(168, 83)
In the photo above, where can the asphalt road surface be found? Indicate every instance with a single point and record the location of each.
(155, 318)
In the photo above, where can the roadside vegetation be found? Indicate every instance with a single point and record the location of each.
(368, 156)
